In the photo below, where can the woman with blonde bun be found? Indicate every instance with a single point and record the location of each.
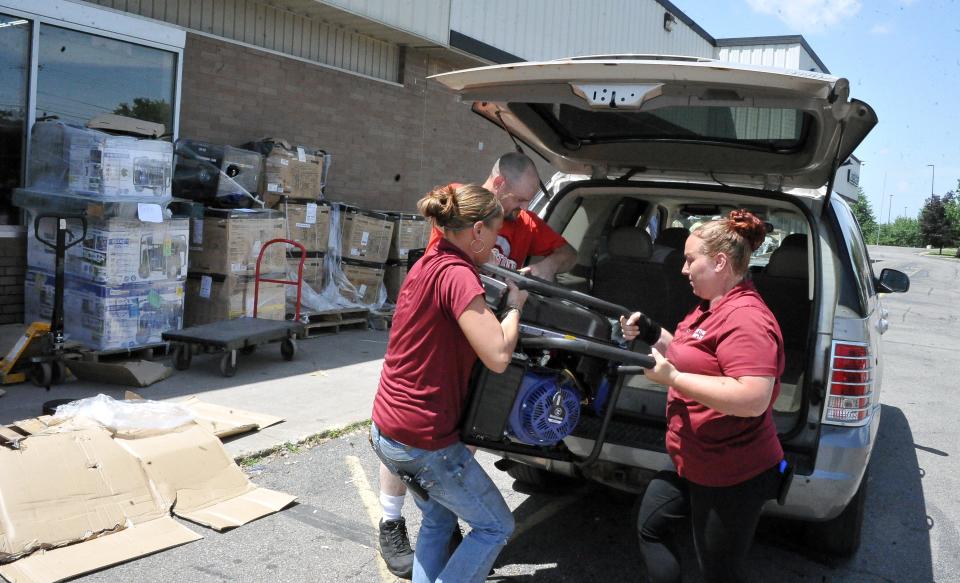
(441, 326)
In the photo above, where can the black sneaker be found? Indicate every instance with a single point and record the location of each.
(395, 548)
(455, 539)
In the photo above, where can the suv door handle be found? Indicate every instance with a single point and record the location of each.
(882, 325)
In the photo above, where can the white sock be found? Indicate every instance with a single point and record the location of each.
(391, 505)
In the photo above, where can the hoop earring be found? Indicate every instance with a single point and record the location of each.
(478, 251)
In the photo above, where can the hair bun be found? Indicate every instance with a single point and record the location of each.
(748, 226)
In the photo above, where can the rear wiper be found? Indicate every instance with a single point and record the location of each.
(631, 172)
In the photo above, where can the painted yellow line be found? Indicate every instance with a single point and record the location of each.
(372, 504)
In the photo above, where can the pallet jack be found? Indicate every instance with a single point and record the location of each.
(40, 353)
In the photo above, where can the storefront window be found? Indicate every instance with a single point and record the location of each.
(81, 76)
(14, 64)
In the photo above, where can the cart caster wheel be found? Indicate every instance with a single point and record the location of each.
(42, 374)
(182, 355)
(228, 364)
(58, 372)
(288, 348)
(248, 350)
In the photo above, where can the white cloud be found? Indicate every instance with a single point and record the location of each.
(880, 29)
(807, 16)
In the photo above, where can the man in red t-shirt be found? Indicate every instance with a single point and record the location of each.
(514, 181)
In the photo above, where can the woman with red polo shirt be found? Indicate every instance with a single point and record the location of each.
(441, 326)
(722, 367)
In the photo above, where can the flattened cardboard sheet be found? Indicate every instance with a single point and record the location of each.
(74, 560)
(190, 470)
(225, 421)
(59, 488)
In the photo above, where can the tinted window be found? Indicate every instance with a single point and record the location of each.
(81, 76)
(857, 252)
(14, 61)
(756, 127)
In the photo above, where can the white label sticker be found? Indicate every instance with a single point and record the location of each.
(197, 237)
(362, 289)
(403, 251)
(354, 251)
(274, 187)
(149, 212)
(365, 238)
(304, 225)
(311, 212)
(301, 154)
(205, 283)
(235, 267)
(284, 162)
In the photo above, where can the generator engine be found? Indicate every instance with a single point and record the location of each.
(545, 411)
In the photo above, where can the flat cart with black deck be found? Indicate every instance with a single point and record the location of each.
(246, 333)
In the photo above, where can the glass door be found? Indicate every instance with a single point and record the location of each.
(14, 68)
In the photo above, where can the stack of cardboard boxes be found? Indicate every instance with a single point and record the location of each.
(225, 245)
(364, 248)
(410, 232)
(124, 282)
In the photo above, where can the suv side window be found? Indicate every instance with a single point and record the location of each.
(857, 252)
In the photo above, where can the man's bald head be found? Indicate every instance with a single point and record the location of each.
(514, 181)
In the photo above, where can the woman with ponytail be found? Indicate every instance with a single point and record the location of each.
(441, 326)
(722, 366)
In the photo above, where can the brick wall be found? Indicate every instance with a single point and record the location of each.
(13, 264)
(389, 143)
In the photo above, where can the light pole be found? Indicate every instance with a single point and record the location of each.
(883, 193)
(933, 173)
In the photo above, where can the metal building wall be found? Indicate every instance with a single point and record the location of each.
(552, 29)
(782, 56)
(429, 19)
(262, 25)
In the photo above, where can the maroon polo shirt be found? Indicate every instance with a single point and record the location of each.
(737, 337)
(423, 384)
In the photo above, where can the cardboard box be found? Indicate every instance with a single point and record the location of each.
(410, 232)
(216, 174)
(308, 224)
(366, 280)
(313, 274)
(78, 160)
(117, 251)
(228, 242)
(364, 235)
(292, 172)
(214, 298)
(86, 520)
(393, 276)
(107, 317)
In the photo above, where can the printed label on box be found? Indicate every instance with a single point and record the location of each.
(274, 187)
(284, 162)
(205, 283)
(303, 225)
(365, 238)
(301, 154)
(312, 213)
(354, 251)
(362, 289)
(197, 231)
(149, 212)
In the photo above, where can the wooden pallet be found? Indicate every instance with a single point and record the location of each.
(146, 352)
(333, 321)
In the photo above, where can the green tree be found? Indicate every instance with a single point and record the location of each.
(934, 228)
(951, 207)
(904, 232)
(864, 214)
(155, 110)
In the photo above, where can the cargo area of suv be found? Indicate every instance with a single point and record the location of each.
(647, 150)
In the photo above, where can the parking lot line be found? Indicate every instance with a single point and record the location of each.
(372, 504)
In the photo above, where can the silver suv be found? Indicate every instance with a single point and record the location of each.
(646, 149)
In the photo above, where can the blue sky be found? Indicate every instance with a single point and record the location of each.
(901, 56)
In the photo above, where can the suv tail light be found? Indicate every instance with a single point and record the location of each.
(850, 391)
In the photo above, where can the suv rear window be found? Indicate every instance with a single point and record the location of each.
(754, 127)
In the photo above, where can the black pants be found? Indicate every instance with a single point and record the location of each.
(723, 522)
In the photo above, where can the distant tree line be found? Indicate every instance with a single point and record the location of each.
(937, 224)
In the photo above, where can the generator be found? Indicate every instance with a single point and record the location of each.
(217, 175)
(569, 363)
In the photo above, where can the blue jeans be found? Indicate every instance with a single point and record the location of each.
(458, 487)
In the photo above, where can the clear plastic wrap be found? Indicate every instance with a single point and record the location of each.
(67, 158)
(216, 174)
(139, 418)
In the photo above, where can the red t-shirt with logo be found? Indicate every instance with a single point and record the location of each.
(739, 336)
(517, 240)
(424, 381)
